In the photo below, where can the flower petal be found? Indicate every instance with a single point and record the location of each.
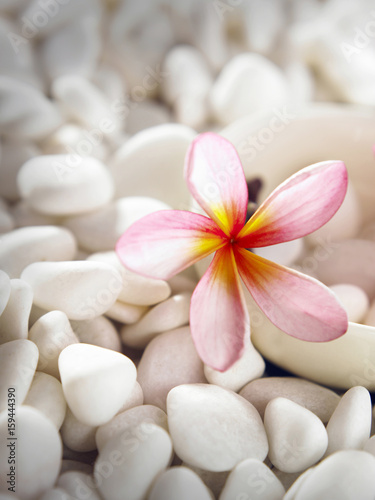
(215, 177)
(164, 243)
(299, 206)
(297, 304)
(219, 319)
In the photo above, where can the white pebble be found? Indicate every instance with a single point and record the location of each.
(55, 494)
(79, 485)
(81, 289)
(181, 483)
(15, 317)
(282, 253)
(38, 449)
(353, 299)
(126, 313)
(51, 334)
(76, 435)
(26, 245)
(65, 184)
(97, 331)
(135, 399)
(18, 361)
(297, 438)
(170, 314)
(370, 445)
(46, 395)
(181, 283)
(5, 290)
(214, 428)
(96, 382)
(350, 424)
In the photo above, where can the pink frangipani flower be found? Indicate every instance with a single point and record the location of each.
(166, 242)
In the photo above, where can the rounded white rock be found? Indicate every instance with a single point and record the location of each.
(79, 485)
(126, 313)
(65, 184)
(76, 435)
(179, 482)
(214, 428)
(15, 318)
(297, 437)
(353, 299)
(5, 289)
(96, 382)
(81, 289)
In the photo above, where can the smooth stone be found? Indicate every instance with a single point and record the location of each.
(353, 299)
(284, 254)
(122, 424)
(180, 284)
(52, 333)
(76, 435)
(348, 474)
(248, 83)
(27, 245)
(135, 399)
(24, 215)
(100, 230)
(168, 315)
(370, 446)
(297, 437)
(38, 449)
(25, 112)
(345, 224)
(79, 485)
(297, 483)
(5, 290)
(46, 395)
(349, 261)
(350, 424)
(213, 480)
(133, 467)
(252, 479)
(214, 428)
(126, 313)
(15, 318)
(56, 494)
(181, 483)
(313, 397)
(249, 367)
(73, 465)
(169, 360)
(18, 361)
(65, 184)
(81, 289)
(136, 289)
(156, 154)
(97, 331)
(145, 115)
(369, 319)
(6, 221)
(96, 382)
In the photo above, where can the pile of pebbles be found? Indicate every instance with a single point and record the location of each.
(99, 101)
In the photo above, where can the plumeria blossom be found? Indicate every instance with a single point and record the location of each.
(166, 242)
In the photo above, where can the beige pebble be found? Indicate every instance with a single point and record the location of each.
(5, 290)
(135, 399)
(79, 485)
(145, 115)
(15, 317)
(181, 483)
(24, 215)
(98, 331)
(76, 435)
(126, 313)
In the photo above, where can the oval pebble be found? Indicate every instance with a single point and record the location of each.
(132, 469)
(26, 245)
(214, 428)
(81, 289)
(250, 366)
(18, 361)
(121, 425)
(297, 437)
(76, 435)
(181, 483)
(126, 313)
(169, 360)
(100, 230)
(350, 424)
(314, 397)
(252, 479)
(51, 333)
(39, 450)
(65, 184)
(15, 317)
(79, 485)
(353, 299)
(5, 289)
(97, 331)
(46, 395)
(96, 382)
(168, 315)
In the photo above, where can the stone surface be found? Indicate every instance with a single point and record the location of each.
(370, 445)
(126, 313)
(297, 437)
(46, 395)
(214, 428)
(38, 452)
(65, 185)
(51, 333)
(81, 289)
(56, 494)
(24, 215)
(314, 397)
(18, 361)
(15, 317)
(135, 398)
(79, 485)
(353, 299)
(168, 315)
(252, 479)
(26, 245)
(282, 253)
(350, 424)
(133, 466)
(123, 424)
(5, 289)
(76, 435)
(169, 360)
(181, 483)
(147, 114)
(96, 382)
(213, 480)
(97, 331)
